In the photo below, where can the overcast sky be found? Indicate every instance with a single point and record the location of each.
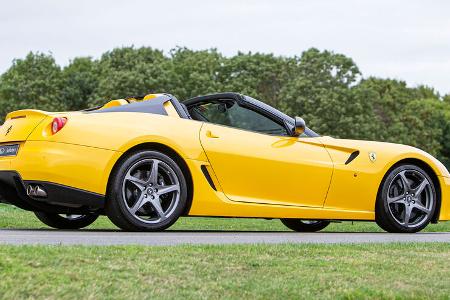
(408, 40)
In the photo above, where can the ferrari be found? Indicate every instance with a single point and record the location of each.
(146, 161)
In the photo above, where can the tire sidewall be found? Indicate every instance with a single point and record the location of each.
(56, 221)
(116, 196)
(299, 226)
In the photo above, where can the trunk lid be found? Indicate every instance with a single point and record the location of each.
(20, 124)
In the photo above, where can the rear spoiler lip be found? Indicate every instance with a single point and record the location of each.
(23, 113)
(19, 117)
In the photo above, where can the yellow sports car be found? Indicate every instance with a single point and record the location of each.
(146, 161)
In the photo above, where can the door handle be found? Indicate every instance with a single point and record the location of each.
(211, 135)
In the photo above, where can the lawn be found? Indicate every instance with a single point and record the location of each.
(390, 271)
(352, 271)
(12, 217)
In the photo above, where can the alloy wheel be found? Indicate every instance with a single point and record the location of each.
(410, 198)
(151, 191)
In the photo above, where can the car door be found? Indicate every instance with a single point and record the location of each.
(256, 161)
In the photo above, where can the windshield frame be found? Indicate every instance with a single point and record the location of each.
(278, 114)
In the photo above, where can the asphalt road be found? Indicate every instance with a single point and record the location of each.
(98, 237)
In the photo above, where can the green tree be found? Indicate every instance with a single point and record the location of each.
(128, 72)
(425, 92)
(444, 154)
(194, 73)
(389, 99)
(32, 82)
(323, 92)
(446, 98)
(261, 76)
(79, 81)
(424, 119)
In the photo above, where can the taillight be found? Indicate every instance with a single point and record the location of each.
(58, 124)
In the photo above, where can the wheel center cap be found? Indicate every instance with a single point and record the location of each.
(409, 199)
(150, 191)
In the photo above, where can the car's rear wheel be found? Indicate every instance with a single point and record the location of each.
(66, 221)
(407, 200)
(305, 225)
(148, 192)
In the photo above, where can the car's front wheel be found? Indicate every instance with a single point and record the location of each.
(148, 192)
(305, 225)
(407, 200)
(66, 221)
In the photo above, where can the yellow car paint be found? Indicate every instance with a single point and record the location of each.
(19, 124)
(358, 182)
(60, 162)
(113, 103)
(243, 160)
(207, 202)
(445, 203)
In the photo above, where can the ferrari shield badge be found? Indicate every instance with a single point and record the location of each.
(372, 156)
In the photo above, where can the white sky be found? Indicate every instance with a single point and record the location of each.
(408, 39)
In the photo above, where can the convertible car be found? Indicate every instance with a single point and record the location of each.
(146, 161)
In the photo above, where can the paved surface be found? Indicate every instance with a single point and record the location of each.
(98, 237)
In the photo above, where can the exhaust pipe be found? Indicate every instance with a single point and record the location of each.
(35, 190)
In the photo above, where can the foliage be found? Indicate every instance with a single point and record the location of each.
(324, 93)
(79, 82)
(261, 76)
(32, 82)
(327, 89)
(194, 73)
(129, 72)
(446, 98)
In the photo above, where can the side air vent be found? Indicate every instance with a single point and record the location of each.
(208, 177)
(352, 157)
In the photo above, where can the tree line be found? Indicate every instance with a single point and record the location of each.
(327, 89)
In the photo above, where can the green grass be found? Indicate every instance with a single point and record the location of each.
(11, 217)
(306, 271)
(380, 271)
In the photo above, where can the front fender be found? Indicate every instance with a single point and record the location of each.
(355, 184)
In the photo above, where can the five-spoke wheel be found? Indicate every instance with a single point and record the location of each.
(151, 190)
(148, 192)
(407, 200)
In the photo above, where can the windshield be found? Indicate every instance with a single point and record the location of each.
(308, 132)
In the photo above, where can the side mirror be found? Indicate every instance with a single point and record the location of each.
(299, 126)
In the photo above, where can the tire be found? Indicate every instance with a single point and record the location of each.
(406, 201)
(147, 192)
(66, 221)
(300, 225)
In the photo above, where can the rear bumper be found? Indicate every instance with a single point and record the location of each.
(75, 177)
(60, 198)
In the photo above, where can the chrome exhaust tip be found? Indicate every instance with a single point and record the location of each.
(35, 190)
